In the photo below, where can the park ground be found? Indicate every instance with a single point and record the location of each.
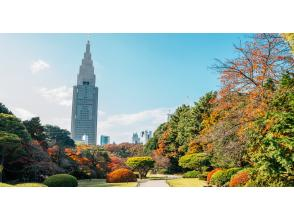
(155, 180)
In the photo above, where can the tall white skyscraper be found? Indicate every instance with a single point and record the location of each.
(85, 102)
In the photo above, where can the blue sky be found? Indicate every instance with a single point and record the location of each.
(140, 77)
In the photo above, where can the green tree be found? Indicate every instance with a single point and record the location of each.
(8, 145)
(58, 136)
(140, 164)
(272, 139)
(4, 109)
(152, 143)
(35, 129)
(13, 125)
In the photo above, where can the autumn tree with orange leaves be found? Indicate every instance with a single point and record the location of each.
(91, 160)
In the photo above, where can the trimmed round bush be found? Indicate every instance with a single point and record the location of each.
(120, 176)
(30, 185)
(5, 185)
(192, 174)
(240, 178)
(195, 161)
(61, 180)
(209, 175)
(221, 177)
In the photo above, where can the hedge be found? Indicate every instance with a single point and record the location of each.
(209, 175)
(120, 176)
(61, 180)
(192, 174)
(222, 177)
(240, 179)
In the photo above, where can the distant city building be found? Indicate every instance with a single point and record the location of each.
(104, 140)
(145, 136)
(85, 139)
(135, 138)
(85, 102)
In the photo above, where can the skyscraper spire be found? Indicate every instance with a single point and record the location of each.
(88, 47)
(86, 74)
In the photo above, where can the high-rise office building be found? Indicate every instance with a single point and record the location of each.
(85, 102)
(104, 140)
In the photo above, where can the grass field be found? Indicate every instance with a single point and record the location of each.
(102, 183)
(186, 182)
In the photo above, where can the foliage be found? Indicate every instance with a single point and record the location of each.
(248, 83)
(161, 163)
(211, 173)
(176, 137)
(203, 175)
(140, 164)
(116, 163)
(61, 180)
(272, 139)
(290, 39)
(103, 183)
(11, 124)
(35, 129)
(91, 160)
(240, 179)
(9, 145)
(194, 161)
(191, 174)
(4, 109)
(153, 141)
(125, 150)
(58, 136)
(121, 175)
(222, 177)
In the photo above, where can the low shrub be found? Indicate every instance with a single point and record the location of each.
(240, 178)
(120, 176)
(209, 175)
(61, 180)
(30, 185)
(5, 185)
(196, 161)
(191, 174)
(221, 177)
(203, 176)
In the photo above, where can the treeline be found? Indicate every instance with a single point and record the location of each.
(30, 152)
(245, 129)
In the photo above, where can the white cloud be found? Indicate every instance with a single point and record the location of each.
(61, 95)
(23, 113)
(39, 66)
(120, 127)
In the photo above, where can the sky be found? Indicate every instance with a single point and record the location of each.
(141, 77)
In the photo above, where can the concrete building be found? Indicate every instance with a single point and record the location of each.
(104, 140)
(145, 136)
(135, 138)
(85, 102)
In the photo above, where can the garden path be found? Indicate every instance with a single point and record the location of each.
(153, 183)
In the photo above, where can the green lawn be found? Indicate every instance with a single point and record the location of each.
(102, 183)
(186, 182)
